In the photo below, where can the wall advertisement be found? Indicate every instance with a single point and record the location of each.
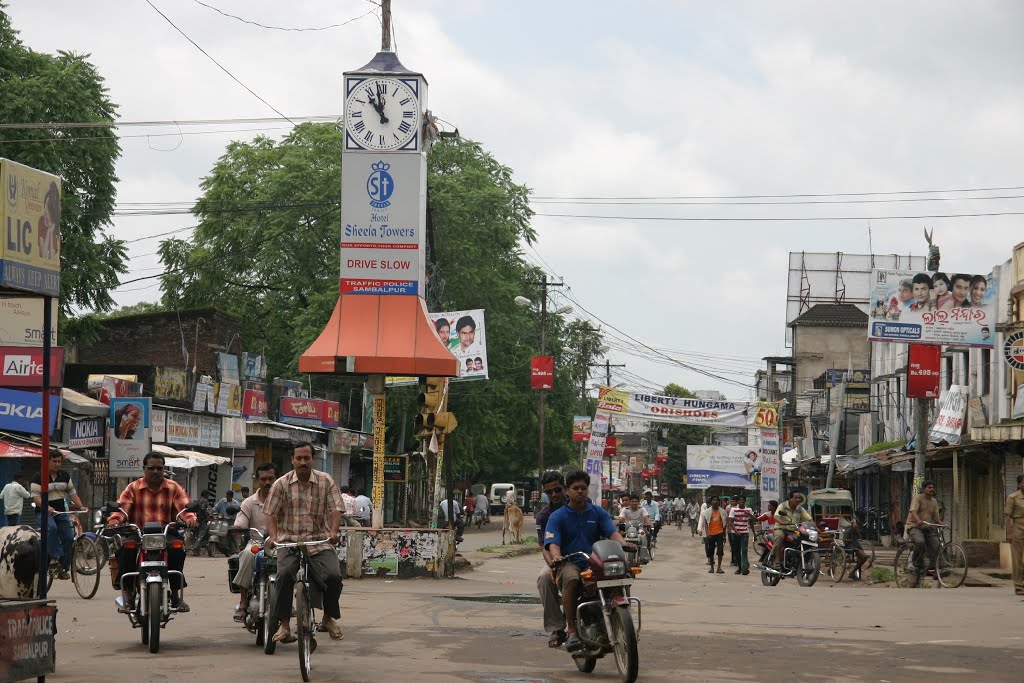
(952, 410)
(708, 466)
(30, 216)
(933, 308)
(130, 437)
(22, 411)
(21, 321)
(382, 223)
(184, 429)
(674, 410)
(85, 432)
(464, 333)
(595, 454)
(171, 383)
(23, 367)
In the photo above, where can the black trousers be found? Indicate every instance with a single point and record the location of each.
(126, 562)
(715, 543)
(325, 564)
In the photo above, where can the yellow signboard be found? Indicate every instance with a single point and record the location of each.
(30, 220)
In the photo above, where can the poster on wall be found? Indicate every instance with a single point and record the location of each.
(949, 424)
(130, 437)
(933, 308)
(243, 471)
(159, 428)
(171, 383)
(708, 466)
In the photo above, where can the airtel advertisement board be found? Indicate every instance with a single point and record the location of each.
(23, 366)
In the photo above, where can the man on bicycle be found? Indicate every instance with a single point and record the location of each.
(61, 534)
(153, 499)
(788, 517)
(654, 512)
(305, 505)
(250, 516)
(924, 508)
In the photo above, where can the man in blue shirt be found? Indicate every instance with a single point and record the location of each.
(653, 511)
(575, 527)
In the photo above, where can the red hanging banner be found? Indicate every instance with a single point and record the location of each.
(923, 371)
(542, 373)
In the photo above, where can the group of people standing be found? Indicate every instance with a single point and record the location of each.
(732, 523)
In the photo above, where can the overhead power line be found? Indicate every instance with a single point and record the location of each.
(320, 118)
(284, 28)
(793, 196)
(638, 202)
(769, 219)
(211, 58)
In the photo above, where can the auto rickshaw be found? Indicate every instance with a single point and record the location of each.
(832, 510)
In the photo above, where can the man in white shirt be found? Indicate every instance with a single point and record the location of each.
(654, 512)
(250, 516)
(14, 494)
(458, 525)
(483, 504)
(364, 508)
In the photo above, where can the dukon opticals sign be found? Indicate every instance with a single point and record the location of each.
(382, 225)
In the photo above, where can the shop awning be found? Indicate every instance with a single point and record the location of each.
(80, 404)
(377, 334)
(14, 447)
(186, 460)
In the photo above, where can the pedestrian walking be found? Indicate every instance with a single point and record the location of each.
(734, 558)
(1014, 513)
(739, 526)
(14, 496)
(715, 523)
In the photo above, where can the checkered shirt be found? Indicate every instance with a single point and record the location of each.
(144, 505)
(303, 510)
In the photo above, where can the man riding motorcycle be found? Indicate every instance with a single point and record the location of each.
(553, 485)
(251, 516)
(575, 527)
(654, 512)
(153, 499)
(788, 517)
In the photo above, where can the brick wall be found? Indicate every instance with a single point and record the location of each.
(157, 338)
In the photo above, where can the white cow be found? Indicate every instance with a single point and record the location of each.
(19, 562)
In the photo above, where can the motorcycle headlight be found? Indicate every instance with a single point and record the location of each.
(631, 532)
(614, 569)
(812, 535)
(154, 542)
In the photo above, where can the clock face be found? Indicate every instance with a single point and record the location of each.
(381, 114)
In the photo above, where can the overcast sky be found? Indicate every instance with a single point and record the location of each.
(619, 100)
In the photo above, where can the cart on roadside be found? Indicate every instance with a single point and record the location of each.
(833, 513)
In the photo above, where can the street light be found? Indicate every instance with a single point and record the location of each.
(563, 310)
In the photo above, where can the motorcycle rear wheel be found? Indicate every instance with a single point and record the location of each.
(585, 664)
(623, 637)
(769, 579)
(270, 624)
(153, 595)
(808, 576)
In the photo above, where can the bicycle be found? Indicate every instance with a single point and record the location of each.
(843, 553)
(950, 568)
(86, 561)
(305, 618)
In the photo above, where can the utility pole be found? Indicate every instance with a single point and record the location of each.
(385, 25)
(921, 404)
(608, 371)
(542, 397)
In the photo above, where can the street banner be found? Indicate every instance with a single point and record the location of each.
(674, 410)
(171, 383)
(923, 371)
(30, 216)
(183, 428)
(22, 411)
(542, 373)
(1013, 350)
(130, 437)
(595, 454)
(464, 334)
(708, 466)
(23, 367)
(937, 308)
(952, 410)
(21, 321)
(768, 450)
(581, 427)
(382, 224)
(86, 432)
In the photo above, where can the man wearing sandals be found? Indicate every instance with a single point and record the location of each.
(250, 516)
(1014, 513)
(305, 505)
(924, 508)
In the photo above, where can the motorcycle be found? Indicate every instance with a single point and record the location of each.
(219, 537)
(800, 558)
(635, 534)
(262, 592)
(604, 620)
(147, 603)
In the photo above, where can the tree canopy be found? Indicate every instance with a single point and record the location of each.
(266, 248)
(43, 88)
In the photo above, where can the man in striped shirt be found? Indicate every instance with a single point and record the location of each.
(739, 528)
(61, 534)
(154, 499)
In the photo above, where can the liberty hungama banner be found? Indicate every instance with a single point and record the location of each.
(936, 308)
(675, 410)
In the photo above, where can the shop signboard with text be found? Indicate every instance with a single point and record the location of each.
(23, 367)
(22, 411)
(923, 371)
(301, 411)
(130, 437)
(30, 219)
(708, 466)
(933, 308)
(84, 433)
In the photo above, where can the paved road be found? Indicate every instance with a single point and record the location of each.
(696, 627)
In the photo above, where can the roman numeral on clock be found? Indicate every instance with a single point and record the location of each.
(404, 127)
(408, 114)
(406, 101)
(380, 140)
(358, 127)
(369, 136)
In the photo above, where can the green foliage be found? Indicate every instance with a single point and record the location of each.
(883, 446)
(679, 437)
(37, 88)
(882, 575)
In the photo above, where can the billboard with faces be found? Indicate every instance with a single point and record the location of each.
(933, 307)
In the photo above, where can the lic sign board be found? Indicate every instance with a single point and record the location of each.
(30, 223)
(382, 224)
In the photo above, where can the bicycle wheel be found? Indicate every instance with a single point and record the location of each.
(951, 566)
(270, 623)
(905, 577)
(837, 563)
(86, 559)
(869, 549)
(304, 628)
